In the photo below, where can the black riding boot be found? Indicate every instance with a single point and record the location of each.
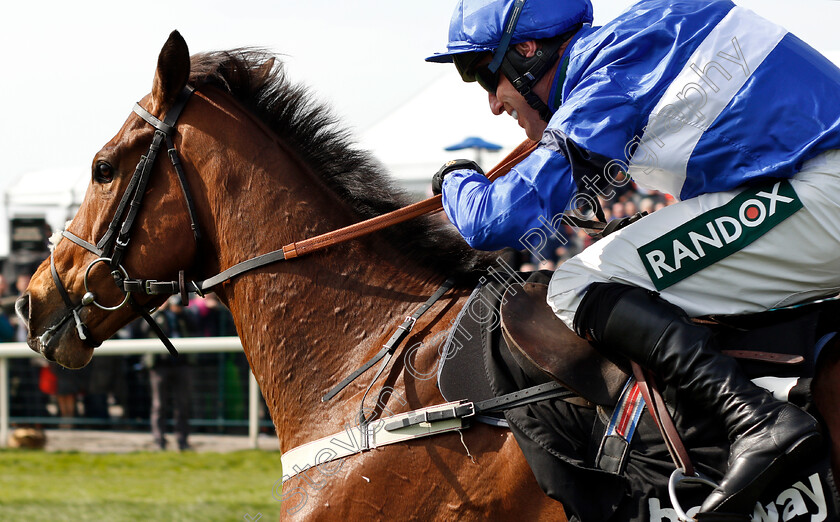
(766, 435)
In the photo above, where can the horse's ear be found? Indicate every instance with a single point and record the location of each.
(173, 70)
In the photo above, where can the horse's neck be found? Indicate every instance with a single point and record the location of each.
(308, 322)
(306, 328)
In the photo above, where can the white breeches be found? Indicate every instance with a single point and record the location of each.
(796, 260)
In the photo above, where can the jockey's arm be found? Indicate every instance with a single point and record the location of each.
(496, 215)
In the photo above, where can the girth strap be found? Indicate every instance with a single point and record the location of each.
(425, 422)
(357, 439)
(542, 392)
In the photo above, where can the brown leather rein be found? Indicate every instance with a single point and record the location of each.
(427, 206)
(335, 237)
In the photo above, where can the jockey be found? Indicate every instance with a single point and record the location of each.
(736, 118)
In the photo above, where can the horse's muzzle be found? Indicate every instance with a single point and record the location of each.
(22, 310)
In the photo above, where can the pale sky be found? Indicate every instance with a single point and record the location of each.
(72, 70)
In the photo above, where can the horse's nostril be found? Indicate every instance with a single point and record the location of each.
(22, 309)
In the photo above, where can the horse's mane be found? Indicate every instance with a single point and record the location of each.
(312, 130)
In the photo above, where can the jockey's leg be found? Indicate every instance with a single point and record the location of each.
(765, 433)
(789, 262)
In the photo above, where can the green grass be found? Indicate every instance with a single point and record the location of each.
(36, 486)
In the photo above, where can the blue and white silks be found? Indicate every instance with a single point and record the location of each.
(691, 97)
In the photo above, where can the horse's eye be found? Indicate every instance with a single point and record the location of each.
(103, 172)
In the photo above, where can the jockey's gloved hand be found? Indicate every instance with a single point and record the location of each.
(449, 166)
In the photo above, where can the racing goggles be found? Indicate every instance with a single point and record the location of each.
(473, 67)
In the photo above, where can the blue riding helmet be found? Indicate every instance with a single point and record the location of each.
(480, 25)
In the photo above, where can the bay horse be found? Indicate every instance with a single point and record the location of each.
(266, 166)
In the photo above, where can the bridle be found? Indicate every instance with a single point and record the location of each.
(110, 249)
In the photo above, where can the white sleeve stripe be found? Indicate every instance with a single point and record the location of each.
(710, 79)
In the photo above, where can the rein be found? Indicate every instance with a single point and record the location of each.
(335, 237)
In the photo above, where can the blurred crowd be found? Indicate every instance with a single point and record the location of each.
(191, 392)
(568, 241)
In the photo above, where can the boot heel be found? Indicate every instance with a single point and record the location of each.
(806, 447)
(808, 444)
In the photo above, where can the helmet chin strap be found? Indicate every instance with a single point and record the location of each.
(524, 73)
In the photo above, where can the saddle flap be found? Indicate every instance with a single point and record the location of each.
(530, 326)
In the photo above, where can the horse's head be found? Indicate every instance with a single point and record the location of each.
(124, 229)
(256, 152)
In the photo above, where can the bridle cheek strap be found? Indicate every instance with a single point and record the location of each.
(112, 245)
(81, 328)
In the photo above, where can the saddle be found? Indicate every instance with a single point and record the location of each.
(507, 338)
(531, 327)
